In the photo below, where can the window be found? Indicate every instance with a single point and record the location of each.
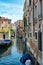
(35, 12)
(29, 2)
(2, 27)
(9, 22)
(40, 41)
(35, 35)
(40, 9)
(39, 25)
(30, 34)
(2, 21)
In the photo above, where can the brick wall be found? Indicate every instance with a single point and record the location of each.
(35, 48)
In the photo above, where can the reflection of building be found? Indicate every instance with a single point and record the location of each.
(5, 52)
(5, 24)
(20, 45)
(33, 18)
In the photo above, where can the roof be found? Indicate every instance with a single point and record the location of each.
(4, 19)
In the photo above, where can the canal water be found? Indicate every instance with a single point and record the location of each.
(13, 54)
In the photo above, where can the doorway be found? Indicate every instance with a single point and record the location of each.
(3, 36)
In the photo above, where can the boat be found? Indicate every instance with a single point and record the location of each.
(5, 43)
(27, 57)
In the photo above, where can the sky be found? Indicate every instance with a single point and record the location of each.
(12, 9)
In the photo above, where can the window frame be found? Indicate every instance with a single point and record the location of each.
(37, 36)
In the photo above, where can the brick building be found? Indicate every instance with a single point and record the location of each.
(33, 20)
(19, 27)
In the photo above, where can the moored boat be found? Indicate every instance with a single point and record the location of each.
(27, 59)
(5, 43)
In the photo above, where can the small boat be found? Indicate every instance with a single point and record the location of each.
(26, 57)
(5, 43)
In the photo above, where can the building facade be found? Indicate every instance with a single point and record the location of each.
(33, 20)
(5, 24)
(19, 28)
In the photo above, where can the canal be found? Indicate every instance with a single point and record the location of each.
(13, 54)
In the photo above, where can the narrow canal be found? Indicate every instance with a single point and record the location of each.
(13, 54)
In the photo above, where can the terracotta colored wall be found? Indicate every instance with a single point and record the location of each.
(1, 36)
(6, 35)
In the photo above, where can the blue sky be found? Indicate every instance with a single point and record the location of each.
(12, 9)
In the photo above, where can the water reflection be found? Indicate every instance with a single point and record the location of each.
(5, 51)
(16, 51)
(21, 46)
